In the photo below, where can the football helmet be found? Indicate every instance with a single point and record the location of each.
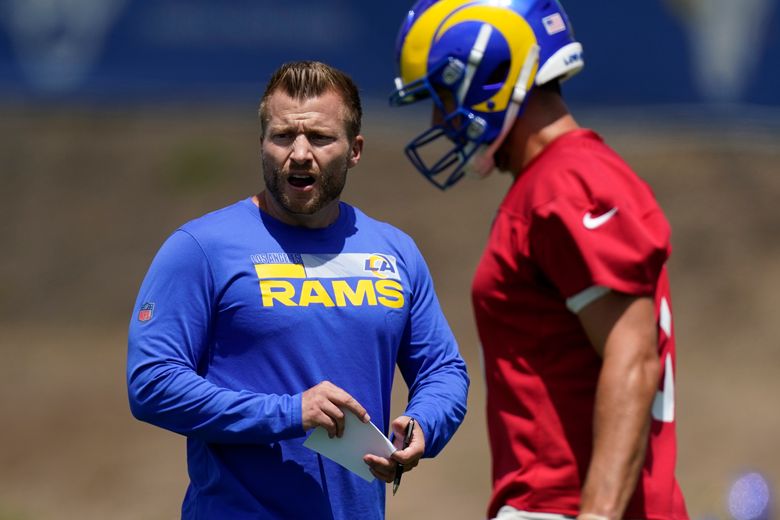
(477, 60)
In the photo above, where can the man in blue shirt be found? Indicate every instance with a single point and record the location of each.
(285, 311)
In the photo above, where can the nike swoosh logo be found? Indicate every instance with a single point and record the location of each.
(591, 222)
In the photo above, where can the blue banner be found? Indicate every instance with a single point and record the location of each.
(670, 51)
(678, 51)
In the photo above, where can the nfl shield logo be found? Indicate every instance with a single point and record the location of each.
(146, 312)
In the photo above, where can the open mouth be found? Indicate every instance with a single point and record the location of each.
(300, 180)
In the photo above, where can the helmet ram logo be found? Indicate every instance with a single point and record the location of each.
(443, 16)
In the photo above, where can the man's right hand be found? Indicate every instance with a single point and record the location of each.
(325, 404)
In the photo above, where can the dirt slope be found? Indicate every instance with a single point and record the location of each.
(86, 199)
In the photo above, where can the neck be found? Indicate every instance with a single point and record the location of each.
(322, 218)
(546, 118)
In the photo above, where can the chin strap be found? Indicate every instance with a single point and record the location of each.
(482, 162)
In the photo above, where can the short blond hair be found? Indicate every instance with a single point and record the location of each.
(307, 79)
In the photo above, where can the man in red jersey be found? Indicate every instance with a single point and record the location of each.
(571, 296)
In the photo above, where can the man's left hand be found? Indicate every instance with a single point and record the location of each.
(384, 469)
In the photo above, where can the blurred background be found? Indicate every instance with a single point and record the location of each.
(121, 119)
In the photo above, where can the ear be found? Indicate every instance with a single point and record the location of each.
(355, 152)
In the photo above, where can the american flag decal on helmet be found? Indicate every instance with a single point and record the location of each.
(146, 312)
(554, 24)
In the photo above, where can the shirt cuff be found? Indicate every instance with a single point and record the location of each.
(583, 298)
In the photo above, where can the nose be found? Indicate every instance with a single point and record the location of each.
(301, 149)
(437, 117)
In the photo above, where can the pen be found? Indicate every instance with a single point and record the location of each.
(399, 468)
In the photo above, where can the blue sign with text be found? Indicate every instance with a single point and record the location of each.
(672, 51)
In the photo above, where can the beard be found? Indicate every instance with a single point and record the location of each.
(331, 182)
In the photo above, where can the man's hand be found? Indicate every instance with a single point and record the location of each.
(384, 469)
(321, 405)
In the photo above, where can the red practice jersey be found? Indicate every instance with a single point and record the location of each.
(576, 220)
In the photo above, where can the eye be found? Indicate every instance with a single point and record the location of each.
(281, 137)
(320, 139)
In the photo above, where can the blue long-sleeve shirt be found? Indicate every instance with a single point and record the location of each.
(239, 314)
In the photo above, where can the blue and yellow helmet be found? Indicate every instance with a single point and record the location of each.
(477, 60)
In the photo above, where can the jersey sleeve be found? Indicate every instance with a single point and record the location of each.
(168, 345)
(580, 243)
(431, 364)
